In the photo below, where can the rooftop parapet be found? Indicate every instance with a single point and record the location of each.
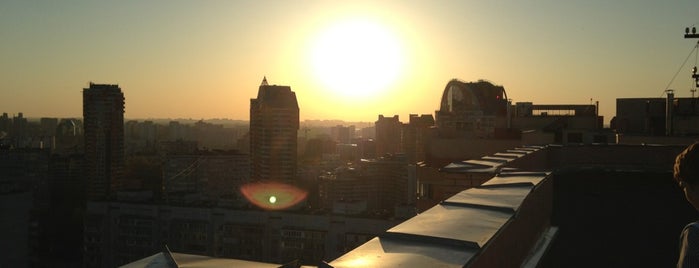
(470, 229)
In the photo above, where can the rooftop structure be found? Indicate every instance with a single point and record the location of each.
(651, 116)
(539, 218)
(471, 109)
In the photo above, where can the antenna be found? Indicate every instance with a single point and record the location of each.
(692, 35)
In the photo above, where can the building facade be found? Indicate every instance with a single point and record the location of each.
(205, 176)
(274, 125)
(416, 136)
(388, 135)
(118, 233)
(103, 113)
(472, 110)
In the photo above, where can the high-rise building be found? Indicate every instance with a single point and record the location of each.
(416, 135)
(388, 135)
(19, 131)
(5, 123)
(274, 124)
(103, 113)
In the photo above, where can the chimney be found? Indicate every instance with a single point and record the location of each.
(669, 104)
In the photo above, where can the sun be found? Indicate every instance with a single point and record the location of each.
(356, 58)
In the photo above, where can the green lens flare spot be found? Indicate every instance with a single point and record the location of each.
(273, 195)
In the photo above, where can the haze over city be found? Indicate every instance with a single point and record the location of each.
(349, 61)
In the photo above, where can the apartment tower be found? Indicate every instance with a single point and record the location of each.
(274, 124)
(103, 114)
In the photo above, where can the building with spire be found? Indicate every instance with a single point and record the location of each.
(103, 113)
(274, 124)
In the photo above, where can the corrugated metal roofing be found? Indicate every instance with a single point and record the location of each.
(451, 233)
(455, 224)
(189, 260)
(497, 159)
(504, 198)
(389, 252)
(516, 178)
(482, 162)
(482, 166)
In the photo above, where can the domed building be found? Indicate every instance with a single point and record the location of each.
(472, 109)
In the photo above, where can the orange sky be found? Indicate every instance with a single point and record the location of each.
(191, 59)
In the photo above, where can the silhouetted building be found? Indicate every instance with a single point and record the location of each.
(367, 148)
(274, 125)
(476, 118)
(388, 135)
(342, 134)
(19, 131)
(5, 123)
(177, 147)
(205, 177)
(377, 185)
(179, 131)
(103, 113)
(344, 184)
(56, 223)
(348, 152)
(69, 136)
(125, 232)
(651, 116)
(214, 136)
(473, 109)
(393, 184)
(317, 147)
(559, 123)
(140, 136)
(368, 132)
(416, 135)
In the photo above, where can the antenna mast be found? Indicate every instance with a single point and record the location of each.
(693, 35)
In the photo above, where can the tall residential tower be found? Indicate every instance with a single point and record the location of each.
(103, 114)
(274, 122)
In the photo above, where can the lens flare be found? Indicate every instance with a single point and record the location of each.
(273, 195)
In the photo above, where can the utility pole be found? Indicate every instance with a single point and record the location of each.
(693, 35)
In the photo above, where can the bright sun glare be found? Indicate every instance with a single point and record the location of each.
(356, 58)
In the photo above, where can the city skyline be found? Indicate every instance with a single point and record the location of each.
(193, 60)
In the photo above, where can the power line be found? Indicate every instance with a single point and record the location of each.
(680, 69)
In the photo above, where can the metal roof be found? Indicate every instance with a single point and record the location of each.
(516, 178)
(482, 166)
(497, 159)
(188, 260)
(466, 226)
(506, 198)
(508, 155)
(390, 252)
(452, 233)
